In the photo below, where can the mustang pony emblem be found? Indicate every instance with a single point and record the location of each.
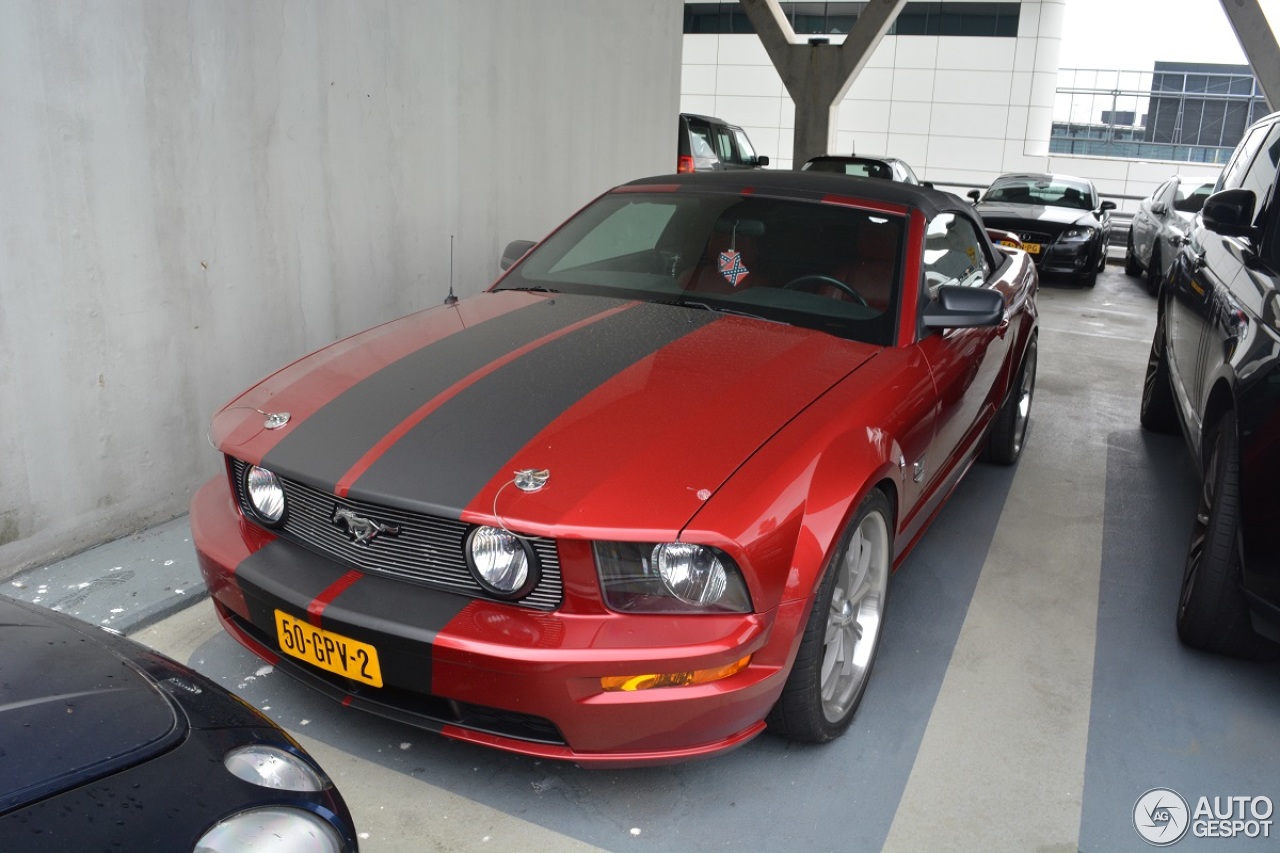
(362, 530)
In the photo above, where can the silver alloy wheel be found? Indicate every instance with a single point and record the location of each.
(853, 621)
(1026, 390)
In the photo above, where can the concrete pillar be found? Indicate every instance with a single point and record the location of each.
(818, 75)
(1259, 44)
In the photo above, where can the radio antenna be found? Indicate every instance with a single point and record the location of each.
(451, 299)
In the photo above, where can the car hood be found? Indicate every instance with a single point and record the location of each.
(999, 212)
(638, 412)
(71, 708)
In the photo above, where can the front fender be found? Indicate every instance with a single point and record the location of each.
(784, 509)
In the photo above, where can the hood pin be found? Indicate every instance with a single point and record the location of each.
(531, 479)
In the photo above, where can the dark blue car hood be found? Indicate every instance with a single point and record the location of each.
(1034, 213)
(72, 708)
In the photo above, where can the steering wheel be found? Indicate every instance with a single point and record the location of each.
(825, 279)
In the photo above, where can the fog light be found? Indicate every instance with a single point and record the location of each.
(629, 683)
(502, 562)
(266, 495)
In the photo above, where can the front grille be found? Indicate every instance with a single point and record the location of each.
(1019, 227)
(428, 550)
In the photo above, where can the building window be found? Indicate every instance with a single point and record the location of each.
(916, 19)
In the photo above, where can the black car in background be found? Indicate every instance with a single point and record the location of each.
(885, 168)
(1214, 374)
(706, 144)
(107, 745)
(1161, 224)
(1060, 219)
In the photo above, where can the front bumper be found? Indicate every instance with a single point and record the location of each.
(1067, 258)
(513, 678)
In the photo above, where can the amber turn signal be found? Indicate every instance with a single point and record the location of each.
(672, 679)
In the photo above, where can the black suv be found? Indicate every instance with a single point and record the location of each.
(1214, 372)
(705, 143)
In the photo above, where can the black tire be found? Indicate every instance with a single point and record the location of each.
(1132, 267)
(1153, 271)
(827, 681)
(1009, 431)
(1212, 612)
(1158, 413)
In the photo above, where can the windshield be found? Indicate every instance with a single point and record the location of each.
(857, 168)
(823, 266)
(1050, 192)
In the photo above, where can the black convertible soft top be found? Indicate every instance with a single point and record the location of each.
(813, 186)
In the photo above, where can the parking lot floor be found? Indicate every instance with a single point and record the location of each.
(1030, 687)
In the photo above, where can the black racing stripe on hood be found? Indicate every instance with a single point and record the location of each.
(325, 446)
(443, 462)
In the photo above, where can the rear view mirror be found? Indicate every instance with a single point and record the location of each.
(515, 250)
(964, 307)
(1230, 212)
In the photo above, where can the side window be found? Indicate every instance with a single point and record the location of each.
(954, 254)
(722, 141)
(744, 147)
(700, 139)
(1232, 175)
(1261, 174)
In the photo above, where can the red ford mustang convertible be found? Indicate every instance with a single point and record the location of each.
(641, 498)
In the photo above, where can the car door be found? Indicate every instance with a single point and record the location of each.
(1146, 222)
(966, 363)
(1200, 309)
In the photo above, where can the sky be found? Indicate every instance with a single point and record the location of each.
(1129, 35)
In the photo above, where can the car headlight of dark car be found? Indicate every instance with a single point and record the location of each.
(1078, 234)
(670, 577)
(274, 829)
(266, 495)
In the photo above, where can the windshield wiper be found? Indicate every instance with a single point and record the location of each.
(534, 288)
(719, 309)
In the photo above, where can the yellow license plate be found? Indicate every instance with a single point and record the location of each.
(1032, 248)
(327, 650)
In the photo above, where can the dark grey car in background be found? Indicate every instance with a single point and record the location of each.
(1060, 219)
(706, 144)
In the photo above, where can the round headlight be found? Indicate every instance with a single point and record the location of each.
(272, 767)
(266, 495)
(501, 562)
(693, 573)
(271, 830)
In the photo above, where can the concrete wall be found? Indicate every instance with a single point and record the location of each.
(195, 194)
(960, 110)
